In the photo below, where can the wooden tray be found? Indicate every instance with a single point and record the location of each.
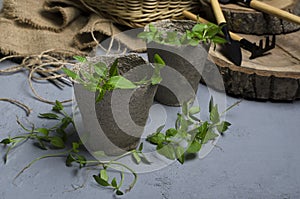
(273, 77)
(246, 20)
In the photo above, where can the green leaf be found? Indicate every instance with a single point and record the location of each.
(195, 118)
(173, 38)
(143, 35)
(152, 28)
(50, 116)
(156, 80)
(200, 27)
(100, 181)
(113, 71)
(57, 142)
(194, 110)
(70, 159)
(218, 40)
(194, 147)
(171, 132)
(121, 83)
(65, 122)
(61, 132)
(41, 144)
(100, 69)
(81, 160)
(159, 129)
(99, 154)
(100, 96)
(210, 135)
(43, 131)
(159, 60)
(212, 31)
(136, 157)
(223, 127)
(75, 147)
(140, 149)
(119, 193)
(91, 86)
(180, 154)
(159, 64)
(211, 104)
(194, 42)
(203, 130)
(177, 123)
(185, 108)
(87, 76)
(156, 138)
(103, 175)
(6, 141)
(80, 59)
(184, 124)
(114, 183)
(58, 106)
(214, 115)
(70, 73)
(167, 151)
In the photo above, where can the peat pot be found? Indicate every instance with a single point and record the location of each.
(184, 63)
(115, 124)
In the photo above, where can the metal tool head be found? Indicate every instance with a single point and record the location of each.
(232, 52)
(225, 1)
(261, 49)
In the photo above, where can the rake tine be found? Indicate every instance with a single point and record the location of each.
(261, 49)
(273, 41)
(53, 81)
(64, 80)
(267, 42)
(261, 44)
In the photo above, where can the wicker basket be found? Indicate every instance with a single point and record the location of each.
(138, 13)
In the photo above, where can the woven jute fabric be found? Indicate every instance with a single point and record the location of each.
(63, 26)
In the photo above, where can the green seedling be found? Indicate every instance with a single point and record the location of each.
(200, 33)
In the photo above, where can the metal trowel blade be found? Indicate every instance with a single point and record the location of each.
(232, 52)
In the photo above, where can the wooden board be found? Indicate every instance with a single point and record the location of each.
(273, 77)
(242, 19)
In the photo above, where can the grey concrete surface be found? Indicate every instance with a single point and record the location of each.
(258, 158)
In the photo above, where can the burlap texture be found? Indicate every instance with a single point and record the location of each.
(65, 26)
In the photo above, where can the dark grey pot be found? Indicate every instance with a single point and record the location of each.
(122, 114)
(185, 64)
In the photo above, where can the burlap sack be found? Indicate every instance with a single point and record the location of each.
(64, 26)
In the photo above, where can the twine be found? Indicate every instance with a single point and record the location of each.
(45, 63)
(19, 104)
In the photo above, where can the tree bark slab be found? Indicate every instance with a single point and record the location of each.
(275, 76)
(242, 19)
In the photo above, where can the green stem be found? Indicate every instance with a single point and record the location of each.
(129, 169)
(14, 144)
(122, 180)
(98, 162)
(40, 158)
(232, 106)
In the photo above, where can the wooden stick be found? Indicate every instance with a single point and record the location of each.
(274, 11)
(218, 12)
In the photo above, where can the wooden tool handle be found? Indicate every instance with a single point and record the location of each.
(274, 11)
(193, 17)
(218, 11)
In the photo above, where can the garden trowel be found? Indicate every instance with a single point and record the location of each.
(232, 48)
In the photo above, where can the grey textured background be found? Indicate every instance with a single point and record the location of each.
(258, 158)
